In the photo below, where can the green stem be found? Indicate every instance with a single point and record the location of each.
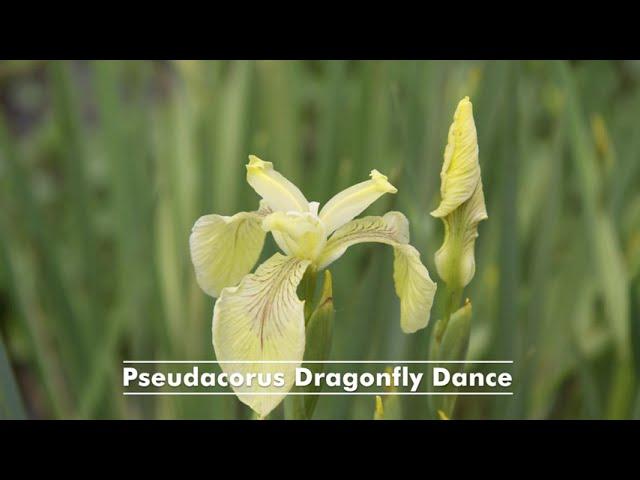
(452, 302)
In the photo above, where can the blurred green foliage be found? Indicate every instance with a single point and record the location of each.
(105, 166)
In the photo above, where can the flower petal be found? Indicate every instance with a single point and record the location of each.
(351, 202)
(301, 235)
(224, 249)
(279, 193)
(455, 260)
(262, 319)
(392, 228)
(413, 285)
(461, 170)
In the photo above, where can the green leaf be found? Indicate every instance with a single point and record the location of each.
(10, 401)
(456, 338)
(318, 345)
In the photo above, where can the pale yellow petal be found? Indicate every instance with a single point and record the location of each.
(455, 260)
(279, 193)
(413, 285)
(351, 202)
(262, 319)
(392, 228)
(301, 235)
(224, 249)
(461, 169)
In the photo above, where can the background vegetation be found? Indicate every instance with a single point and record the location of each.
(104, 167)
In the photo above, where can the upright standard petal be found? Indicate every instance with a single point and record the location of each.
(413, 285)
(455, 260)
(279, 193)
(350, 203)
(461, 170)
(224, 249)
(262, 320)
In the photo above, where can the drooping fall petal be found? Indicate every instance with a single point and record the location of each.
(392, 228)
(413, 285)
(258, 321)
(224, 249)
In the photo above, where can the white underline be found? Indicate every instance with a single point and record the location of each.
(319, 393)
(316, 361)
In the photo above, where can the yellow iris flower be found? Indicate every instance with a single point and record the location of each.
(258, 317)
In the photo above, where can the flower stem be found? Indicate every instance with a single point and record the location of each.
(452, 301)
